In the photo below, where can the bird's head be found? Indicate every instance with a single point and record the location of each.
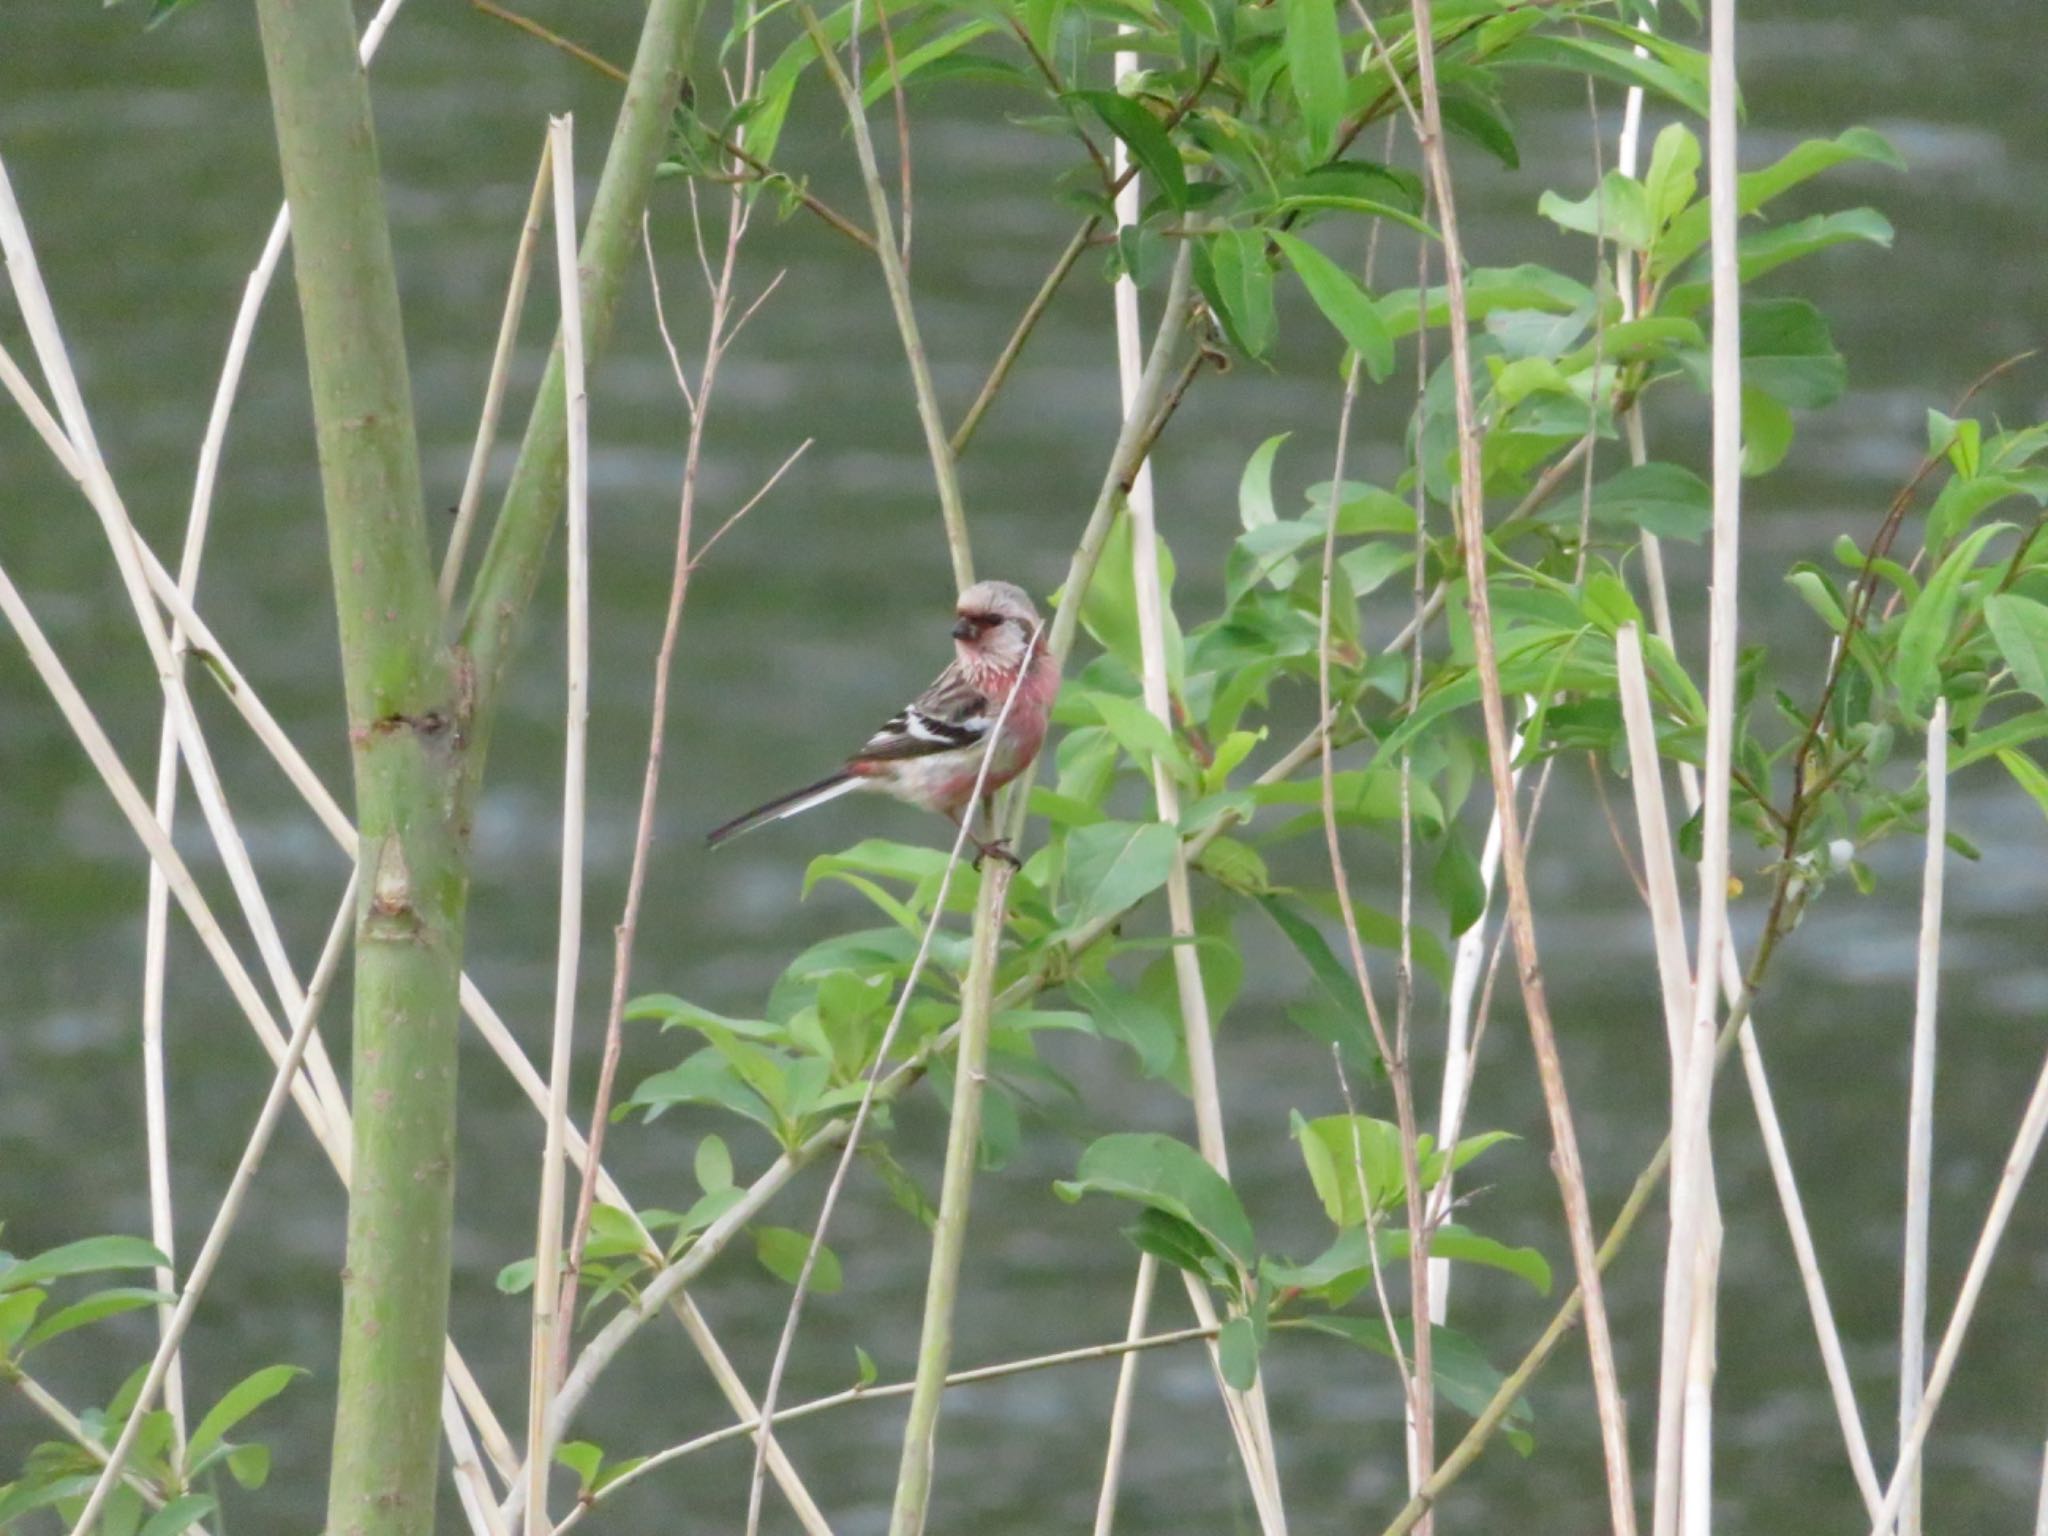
(993, 627)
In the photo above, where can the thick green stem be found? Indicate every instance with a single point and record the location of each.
(538, 490)
(956, 1188)
(406, 728)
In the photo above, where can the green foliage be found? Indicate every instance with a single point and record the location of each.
(1246, 124)
(59, 1474)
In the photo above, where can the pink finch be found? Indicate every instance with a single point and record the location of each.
(930, 752)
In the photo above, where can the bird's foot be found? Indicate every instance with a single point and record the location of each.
(998, 848)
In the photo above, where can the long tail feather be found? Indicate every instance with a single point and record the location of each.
(792, 804)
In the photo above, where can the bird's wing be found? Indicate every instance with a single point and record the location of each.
(949, 716)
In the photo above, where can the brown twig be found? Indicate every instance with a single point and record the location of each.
(718, 337)
(763, 171)
(1521, 918)
(1021, 333)
(1803, 799)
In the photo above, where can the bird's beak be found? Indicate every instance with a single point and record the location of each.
(964, 628)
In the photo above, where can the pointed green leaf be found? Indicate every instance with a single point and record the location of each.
(1147, 141)
(1344, 304)
(2020, 626)
(1663, 499)
(181, 1514)
(1170, 1176)
(1115, 864)
(1243, 284)
(1689, 231)
(101, 1304)
(237, 1403)
(582, 1458)
(713, 1165)
(86, 1256)
(781, 1252)
(1255, 486)
(1924, 634)
(1315, 65)
(1459, 886)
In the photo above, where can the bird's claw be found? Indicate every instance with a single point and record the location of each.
(998, 848)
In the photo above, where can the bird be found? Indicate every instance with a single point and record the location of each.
(929, 753)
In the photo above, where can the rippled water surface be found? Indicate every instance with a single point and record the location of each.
(143, 164)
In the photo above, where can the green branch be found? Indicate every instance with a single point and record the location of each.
(949, 1233)
(405, 727)
(535, 497)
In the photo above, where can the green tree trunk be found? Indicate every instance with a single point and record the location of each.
(406, 730)
(416, 715)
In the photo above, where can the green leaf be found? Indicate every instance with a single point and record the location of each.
(249, 1465)
(236, 1404)
(1169, 1176)
(1768, 249)
(1663, 499)
(1342, 1006)
(1608, 602)
(1789, 355)
(1673, 176)
(1457, 1244)
(1255, 486)
(1129, 1017)
(1689, 231)
(1916, 668)
(1110, 613)
(1344, 304)
(1679, 75)
(181, 1514)
(1141, 733)
(17, 1313)
(907, 862)
(2020, 626)
(582, 1458)
(781, 1252)
(1958, 441)
(86, 1256)
(1766, 431)
(1345, 1268)
(674, 1013)
(2027, 774)
(1489, 289)
(1176, 1242)
(1459, 886)
(713, 1165)
(1616, 210)
(1354, 1162)
(909, 63)
(865, 1373)
(1463, 1376)
(1146, 139)
(1237, 1346)
(1237, 865)
(1315, 65)
(19, 1498)
(1963, 501)
(1472, 116)
(90, 1309)
(1115, 864)
(1243, 284)
(516, 1277)
(703, 1078)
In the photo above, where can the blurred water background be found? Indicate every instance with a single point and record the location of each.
(144, 164)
